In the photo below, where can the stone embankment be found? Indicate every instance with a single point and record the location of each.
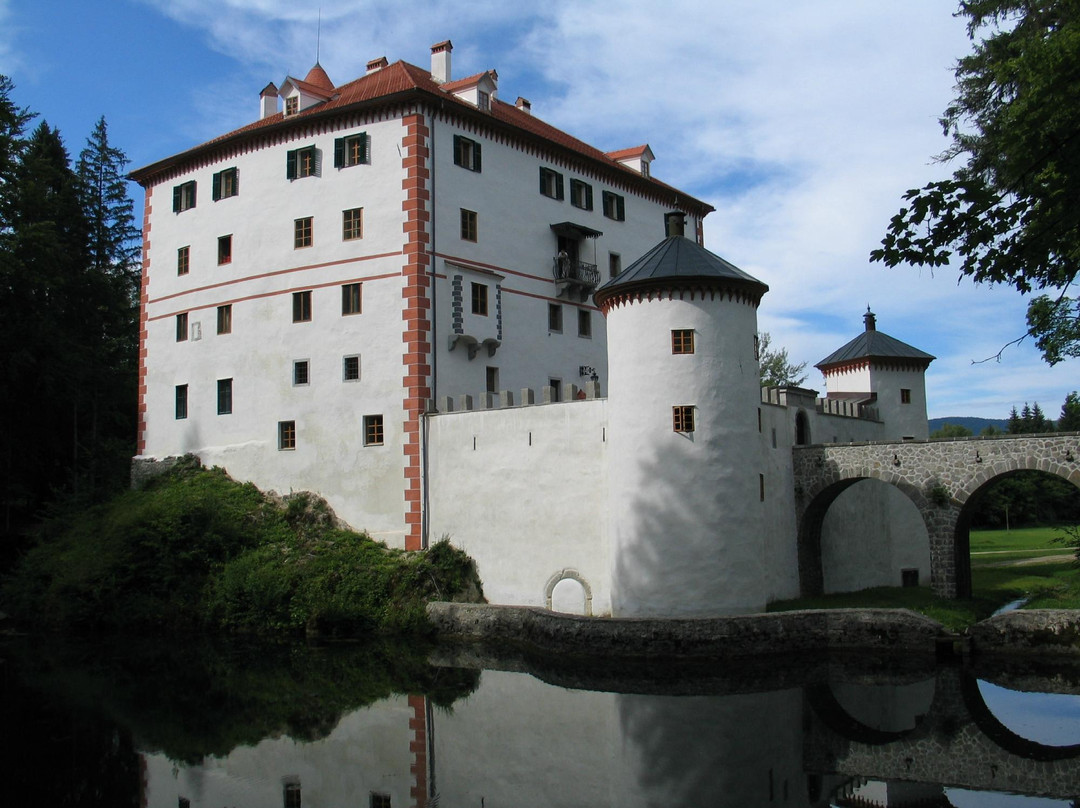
(1037, 632)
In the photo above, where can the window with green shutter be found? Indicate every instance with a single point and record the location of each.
(466, 153)
(225, 184)
(302, 163)
(351, 151)
(551, 183)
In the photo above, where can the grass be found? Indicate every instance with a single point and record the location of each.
(1052, 584)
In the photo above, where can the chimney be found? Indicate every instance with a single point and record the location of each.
(268, 101)
(675, 224)
(870, 320)
(524, 105)
(440, 61)
(376, 64)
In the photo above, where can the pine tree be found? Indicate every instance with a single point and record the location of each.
(1015, 424)
(1070, 413)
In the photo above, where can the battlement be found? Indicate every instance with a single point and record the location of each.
(505, 399)
(853, 407)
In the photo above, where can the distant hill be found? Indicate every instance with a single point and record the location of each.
(976, 425)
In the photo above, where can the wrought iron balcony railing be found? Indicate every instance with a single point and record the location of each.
(566, 269)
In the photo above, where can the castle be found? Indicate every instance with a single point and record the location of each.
(448, 317)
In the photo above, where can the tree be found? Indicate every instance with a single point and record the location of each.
(1070, 414)
(1009, 212)
(951, 431)
(775, 368)
(1029, 421)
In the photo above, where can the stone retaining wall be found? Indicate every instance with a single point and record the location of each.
(1045, 632)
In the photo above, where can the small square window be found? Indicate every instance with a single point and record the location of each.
(286, 436)
(224, 249)
(183, 196)
(466, 153)
(614, 206)
(224, 319)
(300, 372)
(225, 184)
(468, 225)
(350, 299)
(224, 396)
(480, 299)
(614, 264)
(301, 163)
(352, 224)
(350, 369)
(584, 323)
(551, 183)
(292, 105)
(905, 395)
(555, 317)
(182, 327)
(181, 401)
(909, 577)
(351, 150)
(302, 232)
(682, 340)
(183, 261)
(373, 430)
(581, 194)
(301, 307)
(682, 418)
(380, 800)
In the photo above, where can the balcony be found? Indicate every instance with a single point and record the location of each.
(570, 273)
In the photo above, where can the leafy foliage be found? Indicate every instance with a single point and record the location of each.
(950, 431)
(1008, 214)
(774, 366)
(196, 549)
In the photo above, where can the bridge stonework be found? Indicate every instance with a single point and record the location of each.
(938, 476)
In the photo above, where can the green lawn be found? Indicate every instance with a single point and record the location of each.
(1052, 584)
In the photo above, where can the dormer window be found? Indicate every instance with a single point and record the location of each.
(292, 105)
(483, 101)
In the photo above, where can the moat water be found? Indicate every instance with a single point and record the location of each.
(200, 724)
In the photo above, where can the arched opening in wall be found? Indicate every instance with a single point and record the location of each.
(1011, 520)
(802, 429)
(569, 593)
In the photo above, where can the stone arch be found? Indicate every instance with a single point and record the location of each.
(572, 575)
(1001, 735)
(802, 428)
(812, 519)
(834, 715)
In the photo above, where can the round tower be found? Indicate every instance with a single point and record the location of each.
(685, 487)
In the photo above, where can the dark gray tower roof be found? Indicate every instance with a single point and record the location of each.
(679, 263)
(872, 344)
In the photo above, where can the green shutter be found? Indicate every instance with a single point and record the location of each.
(290, 164)
(215, 187)
(457, 150)
(622, 207)
(365, 156)
(236, 181)
(339, 152)
(476, 156)
(176, 197)
(542, 171)
(559, 186)
(588, 197)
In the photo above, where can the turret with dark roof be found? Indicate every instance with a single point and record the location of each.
(875, 347)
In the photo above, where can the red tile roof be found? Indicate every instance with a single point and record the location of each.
(623, 154)
(468, 81)
(392, 83)
(317, 78)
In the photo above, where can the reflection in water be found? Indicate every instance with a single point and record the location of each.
(300, 726)
(1048, 718)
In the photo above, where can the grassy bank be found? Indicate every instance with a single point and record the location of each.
(1005, 566)
(197, 550)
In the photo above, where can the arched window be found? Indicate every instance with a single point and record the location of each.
(802, 429)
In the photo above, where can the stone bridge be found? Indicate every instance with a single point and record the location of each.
(940, 477)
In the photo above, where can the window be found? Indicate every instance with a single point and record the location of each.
(905, 395)
(226, 183)
(300, 372)
(183, 261)
(551, 183)
(466, 153)
(483, 100)
(554, 317)
(909, 577)
(350, 369)
(614, 206)
(224, 396)
(302, 163)
(351, 150)
(614, 263)
(373, 430)
(302, 232)
(352, 224)
(292, 795)
(492, 380)
(224, 250)
(682, 340)
(581, 194)
(761, 487)
(555, 386)
(584, 323)
(468, 225)
(181, 402)
(286, 440)
(181, 327)
(480, 299)
(301, 307)
(380, 800)
(224, 319)
(682, 418)
(350, 299)
(183, 196)
(292, 105)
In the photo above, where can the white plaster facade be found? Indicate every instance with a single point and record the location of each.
(460, 318)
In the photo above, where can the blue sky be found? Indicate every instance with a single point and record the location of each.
(801, 122)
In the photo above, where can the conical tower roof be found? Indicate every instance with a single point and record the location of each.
(679, 264)
(318, 78)
(872, 344)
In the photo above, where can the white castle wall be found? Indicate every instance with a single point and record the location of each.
(520, 490)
